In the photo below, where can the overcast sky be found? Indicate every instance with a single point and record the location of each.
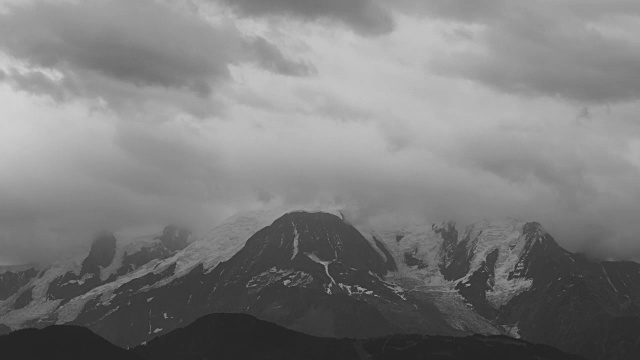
(132, 114)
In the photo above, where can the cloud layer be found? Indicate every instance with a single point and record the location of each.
(584, 52)
(367, 17)
(129, 115)
(130, 52)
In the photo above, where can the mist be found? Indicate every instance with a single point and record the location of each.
(394, 114)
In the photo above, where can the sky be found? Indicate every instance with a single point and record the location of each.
(128, 115)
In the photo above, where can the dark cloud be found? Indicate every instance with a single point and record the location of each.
(581, 189)
(101, 49)
(88, 173)
(462, 10)
(527, 158)
(38, 83)
(366, 17)
(369, 132)
(581, 52)
(270, 58)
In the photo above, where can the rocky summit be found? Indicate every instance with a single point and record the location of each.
(315, 273)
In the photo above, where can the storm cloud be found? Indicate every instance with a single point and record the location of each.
(585, 52)
(367, 17)
(127, 52)
(130, 115)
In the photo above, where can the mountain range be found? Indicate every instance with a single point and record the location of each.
(315, 273)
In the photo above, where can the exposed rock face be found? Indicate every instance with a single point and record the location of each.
(308, 271)
(39, 295)
(316, 259)
(316, 273)
(449, 235)
(70, 285)
(135, 259)
(320, 244)
(550, 295)
(24, 299)
(12, 281)
(103, 249)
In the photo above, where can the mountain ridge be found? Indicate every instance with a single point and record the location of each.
(314, 272)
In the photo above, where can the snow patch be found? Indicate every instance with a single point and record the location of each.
(419, 240)
(325, 264)
(70, 311)
(295, 241)
(507, 237)
(288, 278)
(355, 289)
(512, 330)
(608, 279)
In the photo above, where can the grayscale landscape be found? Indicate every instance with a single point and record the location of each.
(319, 179)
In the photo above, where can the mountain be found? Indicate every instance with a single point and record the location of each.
(316, 273)
(32, 295)
(60, 342)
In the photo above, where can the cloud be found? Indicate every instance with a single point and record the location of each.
(366, 17)
(359, 121)
(69, 172)
(582, 52)
(143, 49)
(270, 58)
(461, 10)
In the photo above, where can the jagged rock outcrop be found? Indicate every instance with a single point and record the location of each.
(103, 250)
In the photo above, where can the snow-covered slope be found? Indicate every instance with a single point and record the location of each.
(507, 239)
(58, 292)
(144, 257)
(415, 252)
(313, 271)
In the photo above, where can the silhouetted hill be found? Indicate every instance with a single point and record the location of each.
(239, 336)
(60, 342)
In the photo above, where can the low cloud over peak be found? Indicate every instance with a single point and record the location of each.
(134, 114)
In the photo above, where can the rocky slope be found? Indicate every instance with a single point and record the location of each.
(316, 273)
(34, 294)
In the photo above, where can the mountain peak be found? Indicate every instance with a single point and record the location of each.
(325, 237)
(310, 243)
(175, 238)
(103, 250)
